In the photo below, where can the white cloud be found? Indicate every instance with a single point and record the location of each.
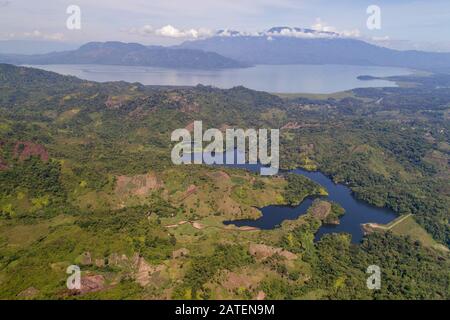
(321, 30)
(320, 25)
(40, 35)
(293, 33)
(172, 32)
(234, 33)
(355, 33)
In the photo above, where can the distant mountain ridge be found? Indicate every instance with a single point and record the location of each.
(235, 49)
(34, 46)
(278, 31)
(285, 45)
(129, 54)
(281, 30)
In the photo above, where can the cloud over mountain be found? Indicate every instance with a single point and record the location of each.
(172, 32)
(318, 30)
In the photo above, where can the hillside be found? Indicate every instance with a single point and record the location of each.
(272, 47)
(86, 179)
(129, 54)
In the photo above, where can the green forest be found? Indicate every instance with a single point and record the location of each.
(86, 179)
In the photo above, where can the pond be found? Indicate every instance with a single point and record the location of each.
(357, 212)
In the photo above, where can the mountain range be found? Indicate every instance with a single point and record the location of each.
(86, 179)
(129, 54)
(284, 45)
(235, 49)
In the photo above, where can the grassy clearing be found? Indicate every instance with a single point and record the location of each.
(316, 96)
(409, 227)
(22, 235)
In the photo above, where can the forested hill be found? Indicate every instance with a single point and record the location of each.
(420, 146)
(275, 48)
(86, 179)
(129, 54)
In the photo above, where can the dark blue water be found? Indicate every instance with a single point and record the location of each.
(274, 215)
(357, 212)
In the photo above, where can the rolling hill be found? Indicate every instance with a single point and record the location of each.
(86, 179)
(129, 54)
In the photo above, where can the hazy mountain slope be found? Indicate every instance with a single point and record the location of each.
(34, 46)
(325, 50)
(129, 54)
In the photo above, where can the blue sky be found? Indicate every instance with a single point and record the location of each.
(408, 23)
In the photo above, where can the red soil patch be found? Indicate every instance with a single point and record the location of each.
(291, 125)
(248, 229)
(144, 272)
(140, 185)
(92, 284)
(198, 225)
(28, 293)
(262, 252)
(190, 108)
(138, 113)
(136, 266)
(261, 296)
(190, 127)
(222, 175)
(115, 102)
(25, 149)
(184, 104)
(176, 225)
(190, 191)
(235, 281)
(369, 228)
(321, 210)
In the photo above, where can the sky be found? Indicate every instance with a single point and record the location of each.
(405, 24)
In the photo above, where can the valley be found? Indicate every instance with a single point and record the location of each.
(86, 179)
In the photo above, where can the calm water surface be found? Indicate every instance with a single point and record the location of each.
(270, 78)
(356, 212)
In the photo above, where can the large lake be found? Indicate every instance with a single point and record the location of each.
(270, 78)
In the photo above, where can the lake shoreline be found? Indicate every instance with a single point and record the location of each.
(357, 212)
(282, 79)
